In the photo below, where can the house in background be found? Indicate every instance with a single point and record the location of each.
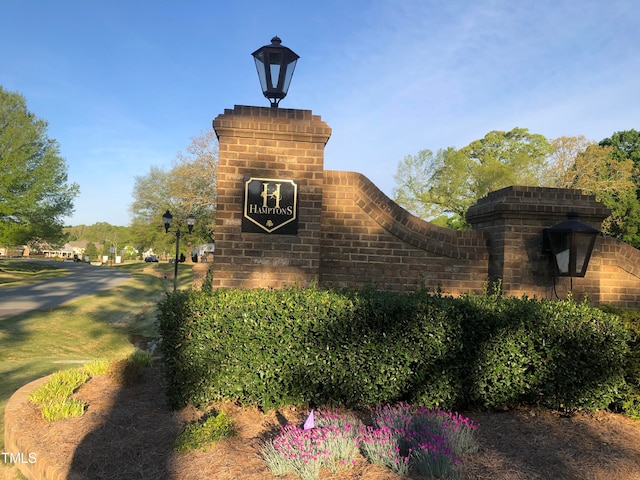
(203, 253)
(14, 252)
(71, 250)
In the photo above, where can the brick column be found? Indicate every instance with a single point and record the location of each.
(513, 219)
(271, 143)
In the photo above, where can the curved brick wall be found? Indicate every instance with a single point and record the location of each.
(617, 269)
(366, 238)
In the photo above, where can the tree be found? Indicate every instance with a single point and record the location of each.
(427, 182)
(502, 159)
(560, 170)
(194, 179)
(626, 211)
(626, 144)
(34, 191)
(441, 188)
(91, 251)
(605, 170)
(412, 177)
(189, 187)
(597, 172)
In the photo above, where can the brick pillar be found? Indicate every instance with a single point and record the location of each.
(270, 143)
(513, 219)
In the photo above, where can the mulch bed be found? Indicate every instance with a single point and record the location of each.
(128, 432)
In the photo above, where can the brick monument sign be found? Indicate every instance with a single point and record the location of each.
(283, 220)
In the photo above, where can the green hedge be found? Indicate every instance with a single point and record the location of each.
(360, 348)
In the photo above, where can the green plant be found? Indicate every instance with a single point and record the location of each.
(198, 435)
(380, 445)
(629, 398)
(60, 386)
(98, 366)
(128, 371)
(124, 372)
(432, 441)
(142, 358)
(61, 409)
(54, 397)
(304, 452)
(403, 438)
(358, 348)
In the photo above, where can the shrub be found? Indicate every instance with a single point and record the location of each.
(128, 371)
(142, 358)
(629, 399)
(330, 443)
(360, 348)
(199, 435)
(54, 397)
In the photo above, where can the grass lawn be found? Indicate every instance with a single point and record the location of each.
(18, 272)
(96, 326)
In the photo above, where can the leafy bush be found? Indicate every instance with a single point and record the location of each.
(367, 347)
(562, 355)
(629, 401)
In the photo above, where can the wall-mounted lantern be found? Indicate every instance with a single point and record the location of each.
(275, 64)
(570, 244)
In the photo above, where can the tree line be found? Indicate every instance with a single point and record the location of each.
(440, 187)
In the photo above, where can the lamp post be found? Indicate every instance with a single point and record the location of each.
(275, 64)
(166, 219)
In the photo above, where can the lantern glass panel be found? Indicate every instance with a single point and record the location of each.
(560, 246)
(275, 75)
(584, 245)
(261, 72)
(288, 75)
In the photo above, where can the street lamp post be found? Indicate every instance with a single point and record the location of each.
(166, 219)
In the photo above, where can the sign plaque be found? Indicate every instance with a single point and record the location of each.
(270, 206)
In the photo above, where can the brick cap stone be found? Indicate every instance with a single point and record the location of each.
(537, 202)
(272, 124)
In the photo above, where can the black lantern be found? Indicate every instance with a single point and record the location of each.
(191, 221)
(166, 219)
(570, 243)
(275, 64)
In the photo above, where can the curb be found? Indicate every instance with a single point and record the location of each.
(33, 468)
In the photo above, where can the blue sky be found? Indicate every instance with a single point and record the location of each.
(125, 84)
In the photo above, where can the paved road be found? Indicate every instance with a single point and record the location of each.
(83, 279)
